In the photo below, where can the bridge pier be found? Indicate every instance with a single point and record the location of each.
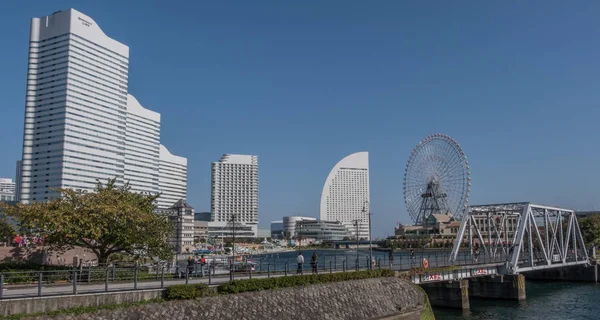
(579, 273)
(452, 294)
(505, 287)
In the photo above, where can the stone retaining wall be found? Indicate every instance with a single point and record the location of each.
(379, 298)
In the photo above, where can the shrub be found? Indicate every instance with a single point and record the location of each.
(238, 286)
(188, 291)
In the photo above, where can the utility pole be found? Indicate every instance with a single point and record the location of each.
(364, 210)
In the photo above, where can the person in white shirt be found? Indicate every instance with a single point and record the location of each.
(300, 262)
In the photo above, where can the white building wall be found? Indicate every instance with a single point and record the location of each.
(289, 224)
(345, 192)
(234, 191)
(172, 178)
(7, 185)
(142, 154)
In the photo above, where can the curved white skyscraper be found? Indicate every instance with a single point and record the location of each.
(81, 125)
(346, 194)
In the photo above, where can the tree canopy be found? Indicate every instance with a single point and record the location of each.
(590, 229)
(109, 220)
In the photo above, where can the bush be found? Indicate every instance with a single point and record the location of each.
(238, 286)
(188, 291)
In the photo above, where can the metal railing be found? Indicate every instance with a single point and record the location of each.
(90, 279)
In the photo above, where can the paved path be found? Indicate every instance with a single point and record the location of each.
(12, 292)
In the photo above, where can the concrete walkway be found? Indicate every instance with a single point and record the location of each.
(20, 291)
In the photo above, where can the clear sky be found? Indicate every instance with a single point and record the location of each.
(302, 84)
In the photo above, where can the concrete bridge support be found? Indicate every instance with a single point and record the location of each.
(506, 287)
(452, 294)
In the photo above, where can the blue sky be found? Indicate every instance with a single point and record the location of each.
(304, 83)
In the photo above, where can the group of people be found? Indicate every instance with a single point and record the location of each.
(313, 263)
(25, 241)
(192, 263)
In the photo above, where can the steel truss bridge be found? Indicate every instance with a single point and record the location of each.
(527, 236)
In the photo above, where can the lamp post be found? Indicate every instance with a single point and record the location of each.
(364, 210)
(356, 222)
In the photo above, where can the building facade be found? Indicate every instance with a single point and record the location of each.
(81, 124)
(277, 229)
(234, 190)
(172, 178)
(200, 231)
(7, 185)
(181, 215)
(346, 194)
(289, 225)
(320, 230)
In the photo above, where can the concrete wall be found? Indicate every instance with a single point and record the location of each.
(45, 304)
(448, 294)
(379, 298)
(573, 273)
(506, 287)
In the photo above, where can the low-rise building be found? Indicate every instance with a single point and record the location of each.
(200, 231)
(320, 230)
(182, 216)
(289, 225)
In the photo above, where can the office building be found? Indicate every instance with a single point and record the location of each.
(289, 225)
(319, 230)
(345, 195)
(234, 191)
(202, 216)
(80, 122)
(277, 229)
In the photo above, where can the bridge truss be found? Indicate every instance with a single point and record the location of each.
(525, 235)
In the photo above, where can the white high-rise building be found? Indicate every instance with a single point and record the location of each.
(80, 122)
(234, 191)
(346, 194)
(172, 178)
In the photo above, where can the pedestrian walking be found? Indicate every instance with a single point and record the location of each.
(313, 263)
(300, 260)
(391, 257)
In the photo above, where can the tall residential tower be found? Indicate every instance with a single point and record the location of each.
(346, 194)
(80, 122)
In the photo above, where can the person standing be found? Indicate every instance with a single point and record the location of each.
(313, 263)
(300, 260)
(191, 264)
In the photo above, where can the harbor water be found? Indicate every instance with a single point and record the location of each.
(545, 300)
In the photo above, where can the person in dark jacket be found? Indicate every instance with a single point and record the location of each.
(313, 263)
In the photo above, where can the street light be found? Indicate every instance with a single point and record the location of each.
(356, 221)
(364, 210)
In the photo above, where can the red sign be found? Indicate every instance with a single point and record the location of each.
(479, 272)
(432, 277)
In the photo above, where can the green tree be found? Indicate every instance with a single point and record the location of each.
(590, 229)
(112, 219)
(7, 231)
